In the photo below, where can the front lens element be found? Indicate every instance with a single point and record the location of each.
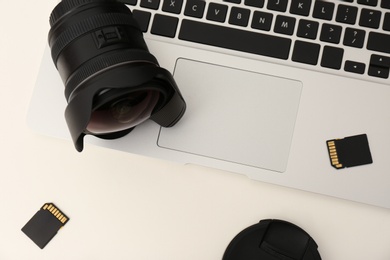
(124, 112)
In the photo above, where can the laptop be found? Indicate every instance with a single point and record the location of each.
(294, 93)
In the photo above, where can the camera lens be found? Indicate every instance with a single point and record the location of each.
(112, 81)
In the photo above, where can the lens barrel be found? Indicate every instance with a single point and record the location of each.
(112, 81)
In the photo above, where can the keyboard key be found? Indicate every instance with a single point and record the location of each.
(330, 33)
(306, 52)
(233, 1)
(370, 18)
(217, 12)
(195, 8)
(150, 4)
(164, 25)
(277, 5)
(380, 61)
(368, 2)
(332, 57)
(354, 37)
(379, 72)
(346, 14)
(323, 10)
(385, 4)
(239, 16)
(300, 7)
(172, 6)
(284, 25)
(386, 22)
(307, 29)
(254, 3)
(379, 42)
(143, 19)
(354, 67)
(262, 21)
(235, 39)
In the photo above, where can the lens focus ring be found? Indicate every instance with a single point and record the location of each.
(101, 63)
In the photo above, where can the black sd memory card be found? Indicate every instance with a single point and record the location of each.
(349, 151)
(43, 226)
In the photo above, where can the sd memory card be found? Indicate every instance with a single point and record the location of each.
(43, 226)
(349, 151)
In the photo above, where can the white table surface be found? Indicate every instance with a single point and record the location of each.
(124, 206)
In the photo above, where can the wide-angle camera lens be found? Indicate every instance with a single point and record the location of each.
(112, 82)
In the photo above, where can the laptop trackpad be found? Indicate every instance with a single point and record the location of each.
(234, 115)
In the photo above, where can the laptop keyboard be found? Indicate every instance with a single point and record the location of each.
(349, 37)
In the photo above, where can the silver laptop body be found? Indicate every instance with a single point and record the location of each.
(265, 110)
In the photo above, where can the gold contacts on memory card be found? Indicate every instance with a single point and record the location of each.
(44, 225)
(349, 151)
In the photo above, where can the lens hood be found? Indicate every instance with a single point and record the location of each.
(167, 113)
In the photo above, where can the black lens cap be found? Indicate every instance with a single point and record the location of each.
(272, 239)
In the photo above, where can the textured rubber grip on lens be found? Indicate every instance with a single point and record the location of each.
(66, 5)
(85, 26)
(101, 63)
